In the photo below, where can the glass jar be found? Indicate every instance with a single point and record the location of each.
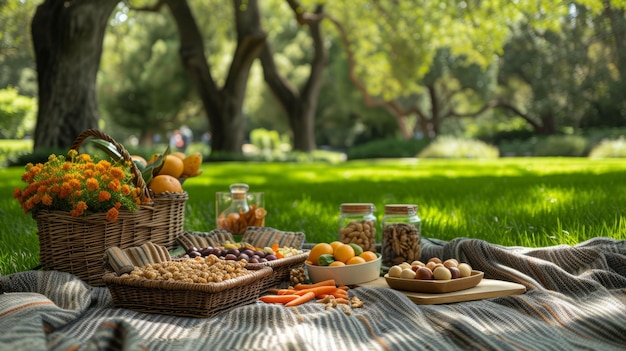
(401, 234)
(238, 209)
(357, 224)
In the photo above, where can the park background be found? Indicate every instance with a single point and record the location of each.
(502, 120)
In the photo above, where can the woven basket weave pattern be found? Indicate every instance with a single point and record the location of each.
(261, 237)
(186, 299)
(77, 244)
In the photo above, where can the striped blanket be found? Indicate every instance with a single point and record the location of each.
(575, 299)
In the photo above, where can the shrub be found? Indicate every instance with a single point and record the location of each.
(388, 148)
(609, 148)
(562, 145)
(451, 147)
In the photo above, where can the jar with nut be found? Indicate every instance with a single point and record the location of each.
(357, 224)
(401, 234)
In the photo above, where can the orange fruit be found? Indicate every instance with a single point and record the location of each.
(355, 260)
(179, 154)
(344, 253)
(172, 166)
(336, 244)
(368, 256)
(191, 164)
(165, 183)
(319, 250)
(336, 264)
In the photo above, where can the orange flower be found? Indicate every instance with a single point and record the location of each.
(92, 184)
(46, 199)
(78, 185)
(112, 214)
(66, 190)
(104, 196)
(117, 173)
(81, 205)
(115, 185)
(126, 189)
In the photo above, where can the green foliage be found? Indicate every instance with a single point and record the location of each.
(452, 147)
(562, 145)
(268, 143)
(144, 87)
(17, 114)
(17, 63)
(10, 150)
(39, 155)
(609, 148)
(388, 148)
(530, 202)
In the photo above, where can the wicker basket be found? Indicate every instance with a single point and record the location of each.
(281, 267)
(186, 299)
(76, 244)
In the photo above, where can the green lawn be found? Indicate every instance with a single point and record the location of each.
(519, 201)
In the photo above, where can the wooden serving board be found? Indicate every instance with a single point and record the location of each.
(487, 288)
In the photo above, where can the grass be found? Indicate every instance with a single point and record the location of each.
(532, 202)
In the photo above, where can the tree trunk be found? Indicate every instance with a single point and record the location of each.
(300, 106)
(223, 106)
(67, 39)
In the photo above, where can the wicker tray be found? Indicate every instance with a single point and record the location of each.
(282, 267)
(186, 299)
(76, 244)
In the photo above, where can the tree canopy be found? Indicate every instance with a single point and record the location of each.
(322, 72)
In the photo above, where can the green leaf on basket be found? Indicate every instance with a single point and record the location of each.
(108, 147)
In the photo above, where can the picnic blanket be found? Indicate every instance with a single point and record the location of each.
(575, 299)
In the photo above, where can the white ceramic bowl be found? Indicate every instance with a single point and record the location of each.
(346, 275)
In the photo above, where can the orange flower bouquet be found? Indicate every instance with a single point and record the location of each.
(83, 205)
(79, 185)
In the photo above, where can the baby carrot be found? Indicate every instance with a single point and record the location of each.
(329, 282)
(339, 293)
(278, 298)
(320, 290)
(285, 291)
(301, 299)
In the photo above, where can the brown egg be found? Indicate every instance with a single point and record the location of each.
(434, 259)
(423, 273)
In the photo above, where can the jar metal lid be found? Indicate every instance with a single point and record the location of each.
(357, 208)
(401, 209)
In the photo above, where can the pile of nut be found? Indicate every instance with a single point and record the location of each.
(297, 276)
(400, 244)
(362, 233)
(200, 270)
(346, 305)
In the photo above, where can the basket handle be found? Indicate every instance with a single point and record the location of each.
(95, 133)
